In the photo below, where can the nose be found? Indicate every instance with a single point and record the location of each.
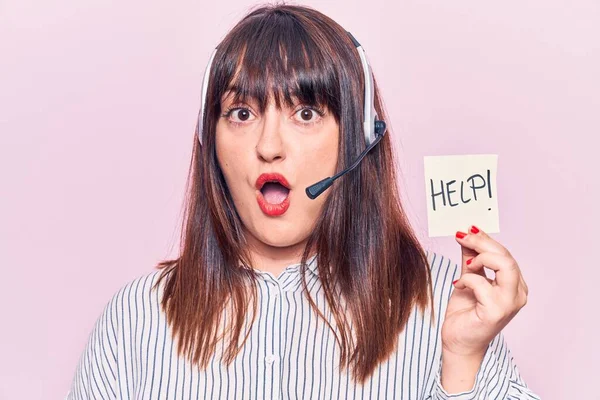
(270, 146)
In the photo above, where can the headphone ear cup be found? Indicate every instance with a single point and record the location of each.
(380, 127)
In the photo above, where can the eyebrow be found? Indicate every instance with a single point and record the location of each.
(228, 92)
(231, 92)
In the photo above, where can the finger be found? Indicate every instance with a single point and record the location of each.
(490, 281)
(480, 286)
(508, 274)
(479, 241)
(466, 254)
(470, 267)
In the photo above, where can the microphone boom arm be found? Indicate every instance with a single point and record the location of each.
(313, 191)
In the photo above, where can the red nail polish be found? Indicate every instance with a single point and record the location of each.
(474, 229)
(469, 261)
(454, 283)
(460, 234)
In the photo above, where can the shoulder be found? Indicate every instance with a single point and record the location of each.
(443, 272)
(133, 301)
(139, 295)
(442, 267)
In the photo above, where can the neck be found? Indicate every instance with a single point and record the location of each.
(274, 259)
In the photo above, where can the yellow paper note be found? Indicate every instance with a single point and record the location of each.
(461, 191)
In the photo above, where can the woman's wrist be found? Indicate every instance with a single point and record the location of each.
(459, 372)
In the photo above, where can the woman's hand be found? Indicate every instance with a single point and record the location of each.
(479, 307)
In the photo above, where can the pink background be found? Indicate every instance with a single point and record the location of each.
(97, 112)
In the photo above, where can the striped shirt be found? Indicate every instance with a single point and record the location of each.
(288, 355)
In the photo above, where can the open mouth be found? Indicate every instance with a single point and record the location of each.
(274, 192)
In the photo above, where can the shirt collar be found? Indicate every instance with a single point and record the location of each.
(311, 264)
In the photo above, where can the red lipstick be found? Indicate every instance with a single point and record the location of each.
(271, 177)
(276, 200)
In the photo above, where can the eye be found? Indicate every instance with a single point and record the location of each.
(243, 114)
(309, 115)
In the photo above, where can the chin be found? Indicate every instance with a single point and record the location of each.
(279, 238)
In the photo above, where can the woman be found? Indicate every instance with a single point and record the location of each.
(278, 295)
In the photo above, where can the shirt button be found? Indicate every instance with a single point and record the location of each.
(270, 358)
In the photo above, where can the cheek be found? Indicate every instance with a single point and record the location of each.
(325, 154)
(320, 161)
(230, 161)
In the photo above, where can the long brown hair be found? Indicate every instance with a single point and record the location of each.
(368, 256)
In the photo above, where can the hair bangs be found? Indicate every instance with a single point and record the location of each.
(291, 67)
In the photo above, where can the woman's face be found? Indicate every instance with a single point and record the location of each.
(296, 142)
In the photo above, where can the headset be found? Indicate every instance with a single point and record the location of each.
(374, 129)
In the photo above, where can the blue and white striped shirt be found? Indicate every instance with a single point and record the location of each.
(130, 352)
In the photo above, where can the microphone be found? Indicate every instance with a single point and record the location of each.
(313, 191)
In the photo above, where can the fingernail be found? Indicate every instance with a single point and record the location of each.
(460, 234)
(454, 283)
(474, 229)
(469, 261)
